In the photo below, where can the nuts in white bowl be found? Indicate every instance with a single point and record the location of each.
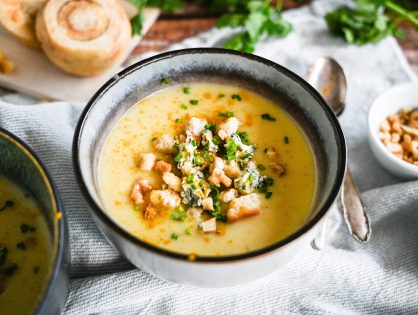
(393, 126)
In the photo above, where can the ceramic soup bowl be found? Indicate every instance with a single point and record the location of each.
(273, 81)
(20, 166)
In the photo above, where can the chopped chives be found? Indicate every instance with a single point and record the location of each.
(174, 236)
(194, 102)
(178, 158)
(268, 117)
(186, 90)
(236, 97)
(183, 106)
(261, 167)
(286, 140)
(137, 208)
(188, 231)
(165, 80)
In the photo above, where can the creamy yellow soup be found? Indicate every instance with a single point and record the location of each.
(24, 250)
(283, 211)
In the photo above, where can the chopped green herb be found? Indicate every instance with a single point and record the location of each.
(186, 90)
(188, 231)
(194, 143)
(21, 246)
(174, 236)
(9, 271)
(244, 137)
(153, 139)
(137, 208)
(177, 120)
(178, 158)
(36, 270)
(194, 102)
(251, 177)
(217, 213)
(261, 167)
(179, 215)
(3, 254)
(236, 97)
(268, 194)
(221, 95)
(7, 204)
(165, 80)
(211, 127)
(183, 106)
(196, 159)
(265, 150)
(286, 140)
(25, 228)
(268, 117)
(227, 114)
(205, 155)
(190, 178)
(216, 141)
(231, 149)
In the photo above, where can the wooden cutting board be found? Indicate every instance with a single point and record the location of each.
(37, 76)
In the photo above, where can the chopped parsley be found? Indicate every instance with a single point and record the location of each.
(177, 120)
(183, 106)
(268, 117)
(165, 80)
(194, 102)
(7, 204)
(9, 271)
(286, 140)
(178, 158)
(25, 228)
(21, 246)
(3, 254)
(188, 231)
(226, 114)
(153, 139)
(244, 137)
(231, 149)
(268, 194)
(211, 127)
(236, 97)
(221, 95)
(179, 215)
(186, 90)
(137, 208)
(174, 236)
(261, 167)
(217, 213)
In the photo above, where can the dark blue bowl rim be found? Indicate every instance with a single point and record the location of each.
(62, 226)
(342, 155)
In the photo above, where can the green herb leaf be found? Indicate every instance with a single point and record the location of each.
(174, 236)
(137, 23)
(7, 204)
(183, 106)
(268, 117)
(286, 140)
(165, 80)
(186, 90)
(194, 102)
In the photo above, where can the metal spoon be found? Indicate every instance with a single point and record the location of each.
(328, 78)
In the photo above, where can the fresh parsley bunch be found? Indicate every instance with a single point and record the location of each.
(255, 19)
(370, 20)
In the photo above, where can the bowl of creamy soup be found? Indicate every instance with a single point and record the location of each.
(33, 241)
(209, 167)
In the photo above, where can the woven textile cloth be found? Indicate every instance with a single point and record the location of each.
(344, 278)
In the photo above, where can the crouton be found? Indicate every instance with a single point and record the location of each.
(218, 176)
(278, 168)
(228, 195)
(196, 126)
(229, 127)
(232, 169)
(166, 198)
(136, 195)
(217, 163)
(244, 206)
(271, 153)
(165, 144)
(162, 167)
(146, 161)
(145, 185)
(207, 203)
(209, 226)
(173, 182)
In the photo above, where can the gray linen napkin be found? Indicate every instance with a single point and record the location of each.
(345, 278)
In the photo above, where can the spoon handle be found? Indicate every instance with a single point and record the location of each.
(355, 215)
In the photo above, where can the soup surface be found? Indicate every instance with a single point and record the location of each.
(24, 250)
(177, 173)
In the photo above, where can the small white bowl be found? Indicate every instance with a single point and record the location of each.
(386, 104)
